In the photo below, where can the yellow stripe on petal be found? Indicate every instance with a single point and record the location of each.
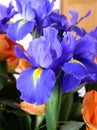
(23, 21)
(77, 61)
(37, 74)
(74, 60)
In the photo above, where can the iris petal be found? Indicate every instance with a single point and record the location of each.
(76, 69)
(18, 31)
(69, 83)
(46, 49)
(74, 73)
(38, 92)
(86, 48)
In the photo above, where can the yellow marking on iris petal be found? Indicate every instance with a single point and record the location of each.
(37, 73)
(74, 60)
(9, 22)
(23, 21)
(77, 61)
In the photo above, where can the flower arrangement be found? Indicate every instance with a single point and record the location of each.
(61, 58)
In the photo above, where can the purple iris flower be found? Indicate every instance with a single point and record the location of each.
(81, 68)
(6, 13)
(75, 20)
(93, 33)
(36, 83)
(33, 13)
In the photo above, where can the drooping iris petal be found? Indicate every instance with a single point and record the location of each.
(86, 48)
(74, 73)
(20, 29)
(76, 69)
(90, 65)
(36, 85)
(20, 53)
(69, 83)
(79, 31)
(45, 49)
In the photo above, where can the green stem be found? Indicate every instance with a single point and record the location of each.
(52, 109)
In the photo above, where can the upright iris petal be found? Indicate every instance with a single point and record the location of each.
(45, 49)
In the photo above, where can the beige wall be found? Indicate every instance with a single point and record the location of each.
(82, 6)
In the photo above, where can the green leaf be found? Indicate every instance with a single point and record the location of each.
(3, 67)
(39, 120)
(3, 122)
(72, 125)
(25, 121)
(52, 110)
(75, 113)
(9, 87)
(66, 106)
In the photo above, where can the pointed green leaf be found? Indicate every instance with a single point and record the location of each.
(66, 106)
(72, 125)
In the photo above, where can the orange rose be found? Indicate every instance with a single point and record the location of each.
(23, 64)
(7, 52)
(32, 108)
(6, 47)
(12, 63)
(89, 110)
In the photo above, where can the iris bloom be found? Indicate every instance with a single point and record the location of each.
(33, 13)
(36, 83)
(89, 111)
(81, 68)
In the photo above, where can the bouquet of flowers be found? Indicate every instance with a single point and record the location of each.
(61, 58)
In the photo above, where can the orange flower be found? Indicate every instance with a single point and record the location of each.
(6, 47)
(12, 63)
(7, 52)
(32, 108)
(23, 64)
(89, 110)
(95, 59)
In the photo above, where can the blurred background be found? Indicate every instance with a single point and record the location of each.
(82, 6)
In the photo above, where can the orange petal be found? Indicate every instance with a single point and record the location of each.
(12, 63)
(32, 108)
(89, 110)
(23, 64)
